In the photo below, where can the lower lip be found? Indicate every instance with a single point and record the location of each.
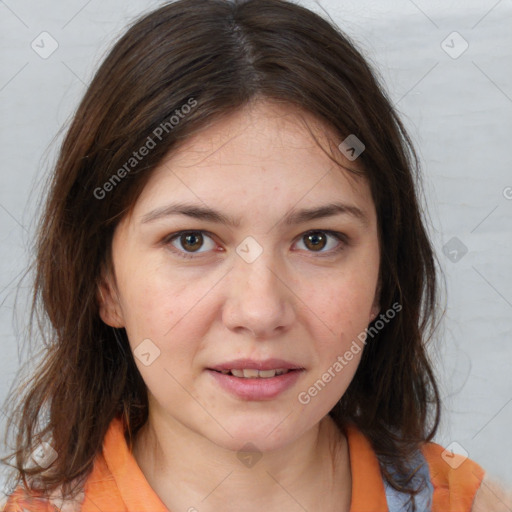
(259, 388)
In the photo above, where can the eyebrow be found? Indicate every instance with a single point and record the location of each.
(294, 217)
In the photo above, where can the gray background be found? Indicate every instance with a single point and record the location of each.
(457, 106)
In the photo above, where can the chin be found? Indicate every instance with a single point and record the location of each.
(266, 435)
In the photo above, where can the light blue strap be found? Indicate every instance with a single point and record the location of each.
(399, 501)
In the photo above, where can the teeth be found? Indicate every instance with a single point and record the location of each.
(255, 374)
(266, 373)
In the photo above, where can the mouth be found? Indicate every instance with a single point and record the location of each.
(252, 373)
(250, 384)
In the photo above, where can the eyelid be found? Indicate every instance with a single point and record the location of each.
(342, 238)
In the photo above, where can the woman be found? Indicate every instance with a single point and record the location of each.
(239, 284)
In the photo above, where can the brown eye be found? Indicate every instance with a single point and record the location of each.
(191, 241)
(188, 243)
(316, 240)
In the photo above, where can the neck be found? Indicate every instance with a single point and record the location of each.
(186, 470)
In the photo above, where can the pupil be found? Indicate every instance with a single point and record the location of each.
(191, 237)
(316, 239)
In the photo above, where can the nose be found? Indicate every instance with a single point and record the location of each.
(260, 298)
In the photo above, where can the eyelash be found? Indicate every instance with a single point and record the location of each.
(341, 237)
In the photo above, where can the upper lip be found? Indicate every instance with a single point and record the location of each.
(265, 364)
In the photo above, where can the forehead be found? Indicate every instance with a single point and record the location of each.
(263, 154)
(263, 129)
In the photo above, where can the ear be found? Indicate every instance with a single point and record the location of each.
(376, 305)
(108, 301)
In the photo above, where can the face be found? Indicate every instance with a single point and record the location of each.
(256, 282)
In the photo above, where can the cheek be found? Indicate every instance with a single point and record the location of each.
(343, 303)
(154, 299)
(342, 317)
(160, 321)
(170, 310)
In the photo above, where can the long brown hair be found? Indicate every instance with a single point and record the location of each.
(215, 56)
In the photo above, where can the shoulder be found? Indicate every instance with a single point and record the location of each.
(492, 497)
(455, 478)
(22, 500)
